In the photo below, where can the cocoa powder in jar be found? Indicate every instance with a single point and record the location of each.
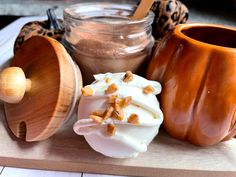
(110, 43)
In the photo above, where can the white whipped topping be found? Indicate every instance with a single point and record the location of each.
(129, 139)
(99, 85)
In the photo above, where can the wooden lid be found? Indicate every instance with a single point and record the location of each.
(55, 86)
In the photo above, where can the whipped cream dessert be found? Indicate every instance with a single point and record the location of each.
(119, 114)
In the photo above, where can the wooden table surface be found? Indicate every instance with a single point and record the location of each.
(22, 172)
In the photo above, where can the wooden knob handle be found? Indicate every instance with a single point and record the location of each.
(13, 85)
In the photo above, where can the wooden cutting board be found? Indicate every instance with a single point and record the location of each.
(165, 157)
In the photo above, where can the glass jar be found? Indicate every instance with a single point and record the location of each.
(101, 38)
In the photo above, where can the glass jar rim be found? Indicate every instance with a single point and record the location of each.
(77, 12)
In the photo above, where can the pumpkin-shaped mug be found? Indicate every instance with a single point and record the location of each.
(196, 65)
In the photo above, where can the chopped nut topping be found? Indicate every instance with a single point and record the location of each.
(128, 76)
(111, 129)
(118, 114)
(118, 102)
(108, 112)
(148, 89)
(126, 101)
(99, 113)
(111, 89)
(117, 107)
(96, 119)
(133, 118)
(87, 91)
(108, 80)
(111, 99)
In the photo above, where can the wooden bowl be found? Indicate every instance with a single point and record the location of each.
(40, 88)
(196, 65)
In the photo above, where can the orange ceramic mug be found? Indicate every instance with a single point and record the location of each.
(196, 65)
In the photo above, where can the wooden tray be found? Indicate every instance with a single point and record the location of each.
(165, 156)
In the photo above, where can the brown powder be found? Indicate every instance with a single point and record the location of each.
(94, 57)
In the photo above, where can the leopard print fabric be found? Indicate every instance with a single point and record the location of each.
(168, 14)
(37, 28)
